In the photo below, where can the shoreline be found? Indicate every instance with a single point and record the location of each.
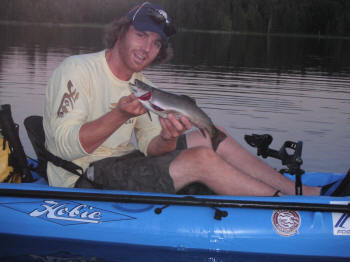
(182, 30)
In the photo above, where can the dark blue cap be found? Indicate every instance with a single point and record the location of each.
(151, 17)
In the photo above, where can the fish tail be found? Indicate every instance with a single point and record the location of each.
(218, 137)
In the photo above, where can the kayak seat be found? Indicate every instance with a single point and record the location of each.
(36, 134)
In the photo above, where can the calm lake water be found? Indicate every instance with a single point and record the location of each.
(294, 88)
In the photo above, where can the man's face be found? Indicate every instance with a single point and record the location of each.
(138, 49)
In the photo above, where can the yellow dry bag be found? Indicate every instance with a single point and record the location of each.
(6, 171)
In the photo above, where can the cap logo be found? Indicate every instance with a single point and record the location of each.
(165, 15)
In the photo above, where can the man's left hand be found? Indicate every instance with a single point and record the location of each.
(172, 127)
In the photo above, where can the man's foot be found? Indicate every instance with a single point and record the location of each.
(338, 188)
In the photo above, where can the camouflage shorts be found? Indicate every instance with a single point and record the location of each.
(135, 172)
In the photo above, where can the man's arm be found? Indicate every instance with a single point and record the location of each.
(94, 133)
(171, 130)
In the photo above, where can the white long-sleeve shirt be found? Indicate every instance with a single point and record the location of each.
(80, 90)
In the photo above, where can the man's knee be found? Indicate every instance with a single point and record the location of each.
(194, 160)
(191, 165)
(200, 155)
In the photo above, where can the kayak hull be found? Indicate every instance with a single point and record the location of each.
(103, 226)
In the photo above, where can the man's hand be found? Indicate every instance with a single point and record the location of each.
(172, 127)
(130, 106)
(93, 134)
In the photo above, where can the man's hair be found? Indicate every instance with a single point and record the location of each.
(117, 30)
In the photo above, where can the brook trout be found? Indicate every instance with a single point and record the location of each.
(162, 103)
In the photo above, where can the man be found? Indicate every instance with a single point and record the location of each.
(90, 115)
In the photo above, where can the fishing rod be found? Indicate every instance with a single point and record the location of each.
(177, 200)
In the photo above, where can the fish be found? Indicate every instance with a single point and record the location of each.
(163, 103)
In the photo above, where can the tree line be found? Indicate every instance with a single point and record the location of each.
(322, 17)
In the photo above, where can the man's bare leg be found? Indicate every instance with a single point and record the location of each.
(201, 164)
(248, 164)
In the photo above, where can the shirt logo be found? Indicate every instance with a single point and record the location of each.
(129, 121)
(68, 100)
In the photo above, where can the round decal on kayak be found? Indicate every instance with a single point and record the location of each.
(286, 222)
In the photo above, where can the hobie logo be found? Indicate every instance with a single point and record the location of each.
(68, 212)
(341, 221)
(78, 213)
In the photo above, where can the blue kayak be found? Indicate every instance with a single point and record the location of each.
(42, 223)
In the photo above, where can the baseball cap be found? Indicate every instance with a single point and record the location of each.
(151, 17)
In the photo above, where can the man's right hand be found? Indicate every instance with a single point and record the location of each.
(130, 106)
(93, 134)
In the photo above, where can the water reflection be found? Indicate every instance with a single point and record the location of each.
(293, 88)
(280, 54)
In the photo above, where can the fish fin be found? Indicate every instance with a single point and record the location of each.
(218, 137)
(149, 115)
(203, 132)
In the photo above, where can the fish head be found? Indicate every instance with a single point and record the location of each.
(141, 90)
(144, 93)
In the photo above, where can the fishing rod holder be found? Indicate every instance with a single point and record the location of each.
(289, 154)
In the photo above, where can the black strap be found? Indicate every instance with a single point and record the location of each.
(69, 166)
(3, 143)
